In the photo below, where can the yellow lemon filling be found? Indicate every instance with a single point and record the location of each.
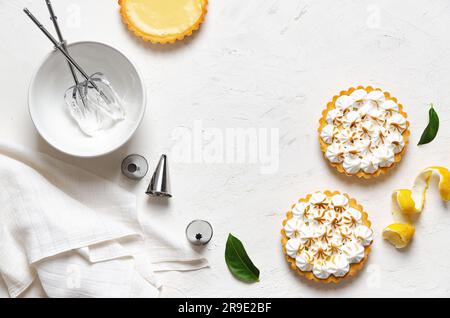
(163, 21)
(411, 202)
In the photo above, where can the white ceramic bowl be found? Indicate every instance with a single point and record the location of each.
(50, 114)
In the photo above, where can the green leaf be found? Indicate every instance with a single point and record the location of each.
(432, 129)
(238, 261)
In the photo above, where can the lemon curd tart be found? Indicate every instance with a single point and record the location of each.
(364, 132)
(326, 237)
(163, 21)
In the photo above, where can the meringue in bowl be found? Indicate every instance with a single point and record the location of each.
(52, 117)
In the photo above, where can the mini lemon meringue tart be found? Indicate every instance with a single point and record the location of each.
(364, 132)
(163, 21)
(327, 237)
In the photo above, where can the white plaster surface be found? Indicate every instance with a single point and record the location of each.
(268, 64)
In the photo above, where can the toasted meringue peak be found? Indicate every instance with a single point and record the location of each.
(364, 132)
(334, 236)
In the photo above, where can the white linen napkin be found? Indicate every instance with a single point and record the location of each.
(78, 233)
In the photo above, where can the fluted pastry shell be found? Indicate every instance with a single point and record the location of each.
(354, 268)
(189, 20)
(361, 174)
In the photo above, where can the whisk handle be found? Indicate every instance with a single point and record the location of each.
(54, 19)
(59, 46)
(40, 26)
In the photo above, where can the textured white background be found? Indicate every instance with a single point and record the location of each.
(266, 63)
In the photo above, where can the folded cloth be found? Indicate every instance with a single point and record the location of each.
(77, 232)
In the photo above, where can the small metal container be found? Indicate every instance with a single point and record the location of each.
(199, 232)
(135, 167)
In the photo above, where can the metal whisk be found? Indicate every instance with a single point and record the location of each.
(93, 103)
(54, 19)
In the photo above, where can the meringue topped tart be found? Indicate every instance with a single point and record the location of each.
(364, 132)
(326, 237)
(163, 21)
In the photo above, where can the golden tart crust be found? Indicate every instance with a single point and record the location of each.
(354, 268)
(163, 21)
(361, 174)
